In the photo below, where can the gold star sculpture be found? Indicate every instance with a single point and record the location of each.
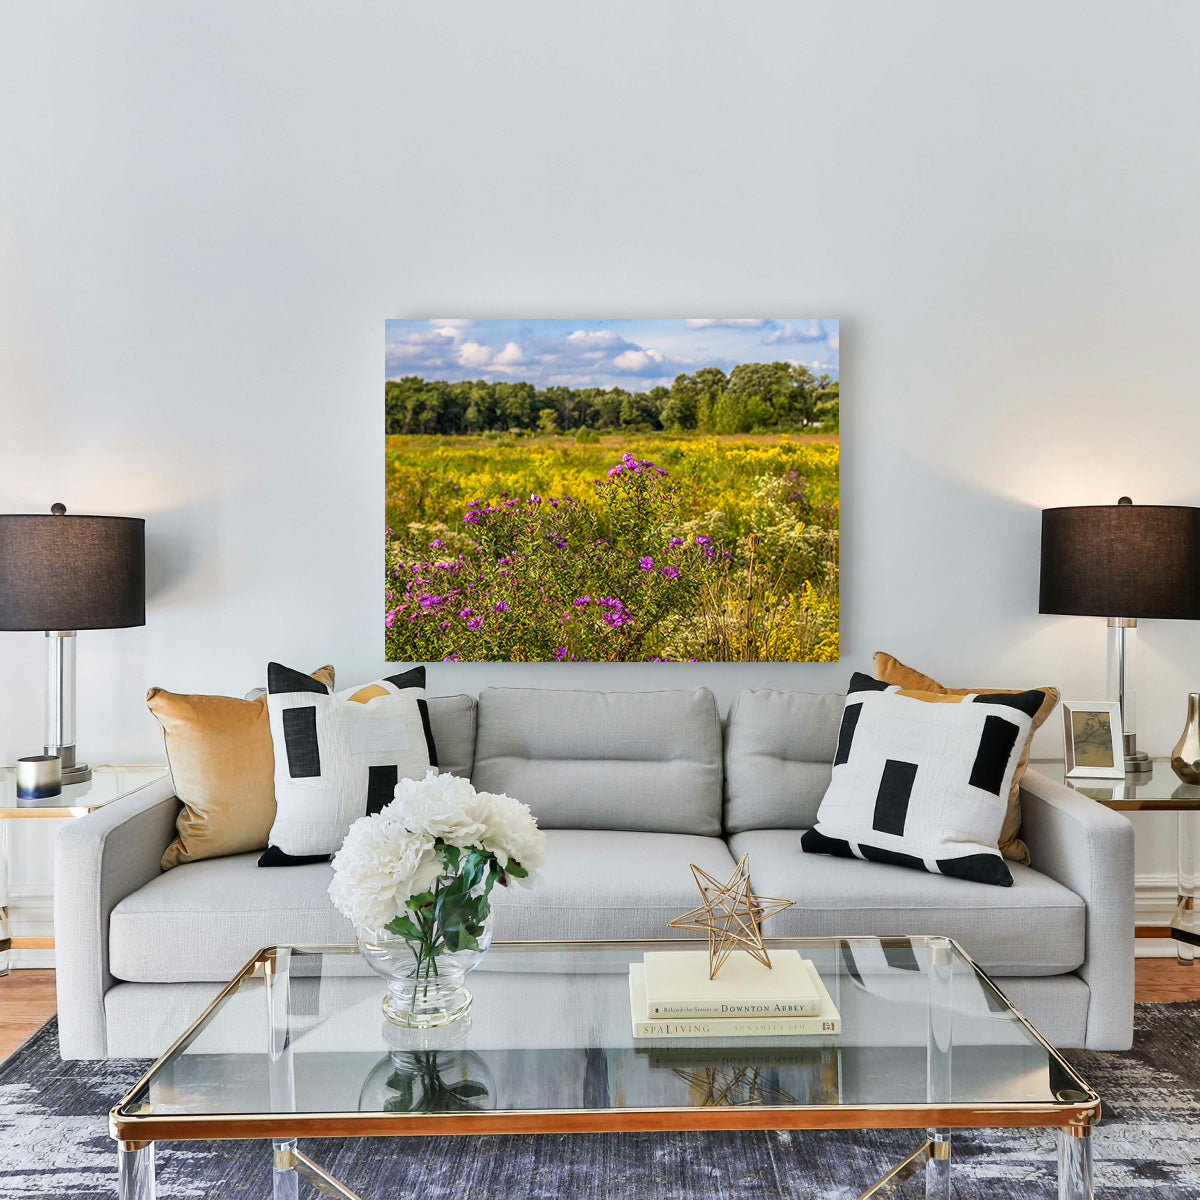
(731, 915)
(721, 1087)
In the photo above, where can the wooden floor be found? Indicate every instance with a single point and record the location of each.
(27, 997)
(26, 1003)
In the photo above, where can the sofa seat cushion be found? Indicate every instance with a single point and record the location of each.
(202, 921)
(600, 883)
(1035, 927)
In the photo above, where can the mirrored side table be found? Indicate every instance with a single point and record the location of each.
(77, 799)
(1161, 790)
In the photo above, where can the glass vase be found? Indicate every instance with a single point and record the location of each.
(422, 990)
(1185, 758)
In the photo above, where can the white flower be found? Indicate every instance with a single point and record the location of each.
(379, 867)
(442, 806)
(513, 833)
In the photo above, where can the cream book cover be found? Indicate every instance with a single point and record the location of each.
(677, 985)
(828, 1022)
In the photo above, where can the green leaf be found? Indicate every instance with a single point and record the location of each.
(468, 1089)
(405, 928)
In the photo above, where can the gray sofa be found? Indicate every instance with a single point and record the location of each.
(632, 787)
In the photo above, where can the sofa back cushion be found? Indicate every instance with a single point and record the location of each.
(452, 720)
(648, 761)
(779, 749)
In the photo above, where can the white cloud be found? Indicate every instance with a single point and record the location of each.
(509, 355)
(598, 337)
(636, 360)
(806, 331)
(729, 322)
(450, 323)
(474, 354)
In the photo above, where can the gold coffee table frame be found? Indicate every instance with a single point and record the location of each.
(137, 1130)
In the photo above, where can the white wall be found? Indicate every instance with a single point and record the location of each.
(207, 210)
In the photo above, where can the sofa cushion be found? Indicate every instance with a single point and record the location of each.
(1035, 927)
(601, 883)
(645, 761)
(452, 719)
(202, 921)
(779, 749)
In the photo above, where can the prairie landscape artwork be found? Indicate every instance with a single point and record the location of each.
(611, 491)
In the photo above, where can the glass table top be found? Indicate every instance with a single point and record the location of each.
(549, 1033)
(106, 785)
(1160, 788)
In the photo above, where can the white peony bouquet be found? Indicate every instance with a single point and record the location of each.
(424, 867)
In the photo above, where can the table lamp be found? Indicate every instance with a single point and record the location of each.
(62, 573)
(1122, 561)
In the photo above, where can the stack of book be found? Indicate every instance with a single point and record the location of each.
(671, 995)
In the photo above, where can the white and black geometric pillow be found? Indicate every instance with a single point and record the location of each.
(339, 756)
(922, 781)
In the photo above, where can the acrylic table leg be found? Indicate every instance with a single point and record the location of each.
(1075, 1164)
(135, 1170)
(1185, 952)
(939, 1064)
(285, 1183)
(937, 1167)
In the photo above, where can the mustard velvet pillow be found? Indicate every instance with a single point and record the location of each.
(893, 671)
(222, 764)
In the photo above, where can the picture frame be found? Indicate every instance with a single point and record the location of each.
(1094, 739)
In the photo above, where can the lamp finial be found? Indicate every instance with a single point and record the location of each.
(58, 510)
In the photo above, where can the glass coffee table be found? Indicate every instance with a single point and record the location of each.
(297, 1047)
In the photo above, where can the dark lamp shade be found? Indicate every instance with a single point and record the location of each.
(1121, 560)
(68, 572)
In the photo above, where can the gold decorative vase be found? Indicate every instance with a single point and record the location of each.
(1185, 758)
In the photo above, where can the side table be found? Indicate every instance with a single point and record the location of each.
(106, 785)
(1161, 790)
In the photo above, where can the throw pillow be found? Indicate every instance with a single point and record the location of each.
(338, 757)
(891, 670)
(922, 780)
(223, 771)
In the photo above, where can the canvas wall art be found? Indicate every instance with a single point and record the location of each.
(611, 491)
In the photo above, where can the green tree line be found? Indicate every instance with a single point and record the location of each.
(753, 397)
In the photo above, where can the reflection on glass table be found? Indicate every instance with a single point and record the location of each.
(297, 1046)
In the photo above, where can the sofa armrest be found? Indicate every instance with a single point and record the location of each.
(98, 860)
(1089, 849)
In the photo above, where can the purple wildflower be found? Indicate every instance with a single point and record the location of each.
(646, 563)
(500, 606)
(670, 572)
(560, 652)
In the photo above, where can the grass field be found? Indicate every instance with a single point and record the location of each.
(644, 546)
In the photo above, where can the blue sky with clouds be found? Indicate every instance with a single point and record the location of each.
(633, 354)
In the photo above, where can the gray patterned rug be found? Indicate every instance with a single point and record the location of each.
(53, 1142)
